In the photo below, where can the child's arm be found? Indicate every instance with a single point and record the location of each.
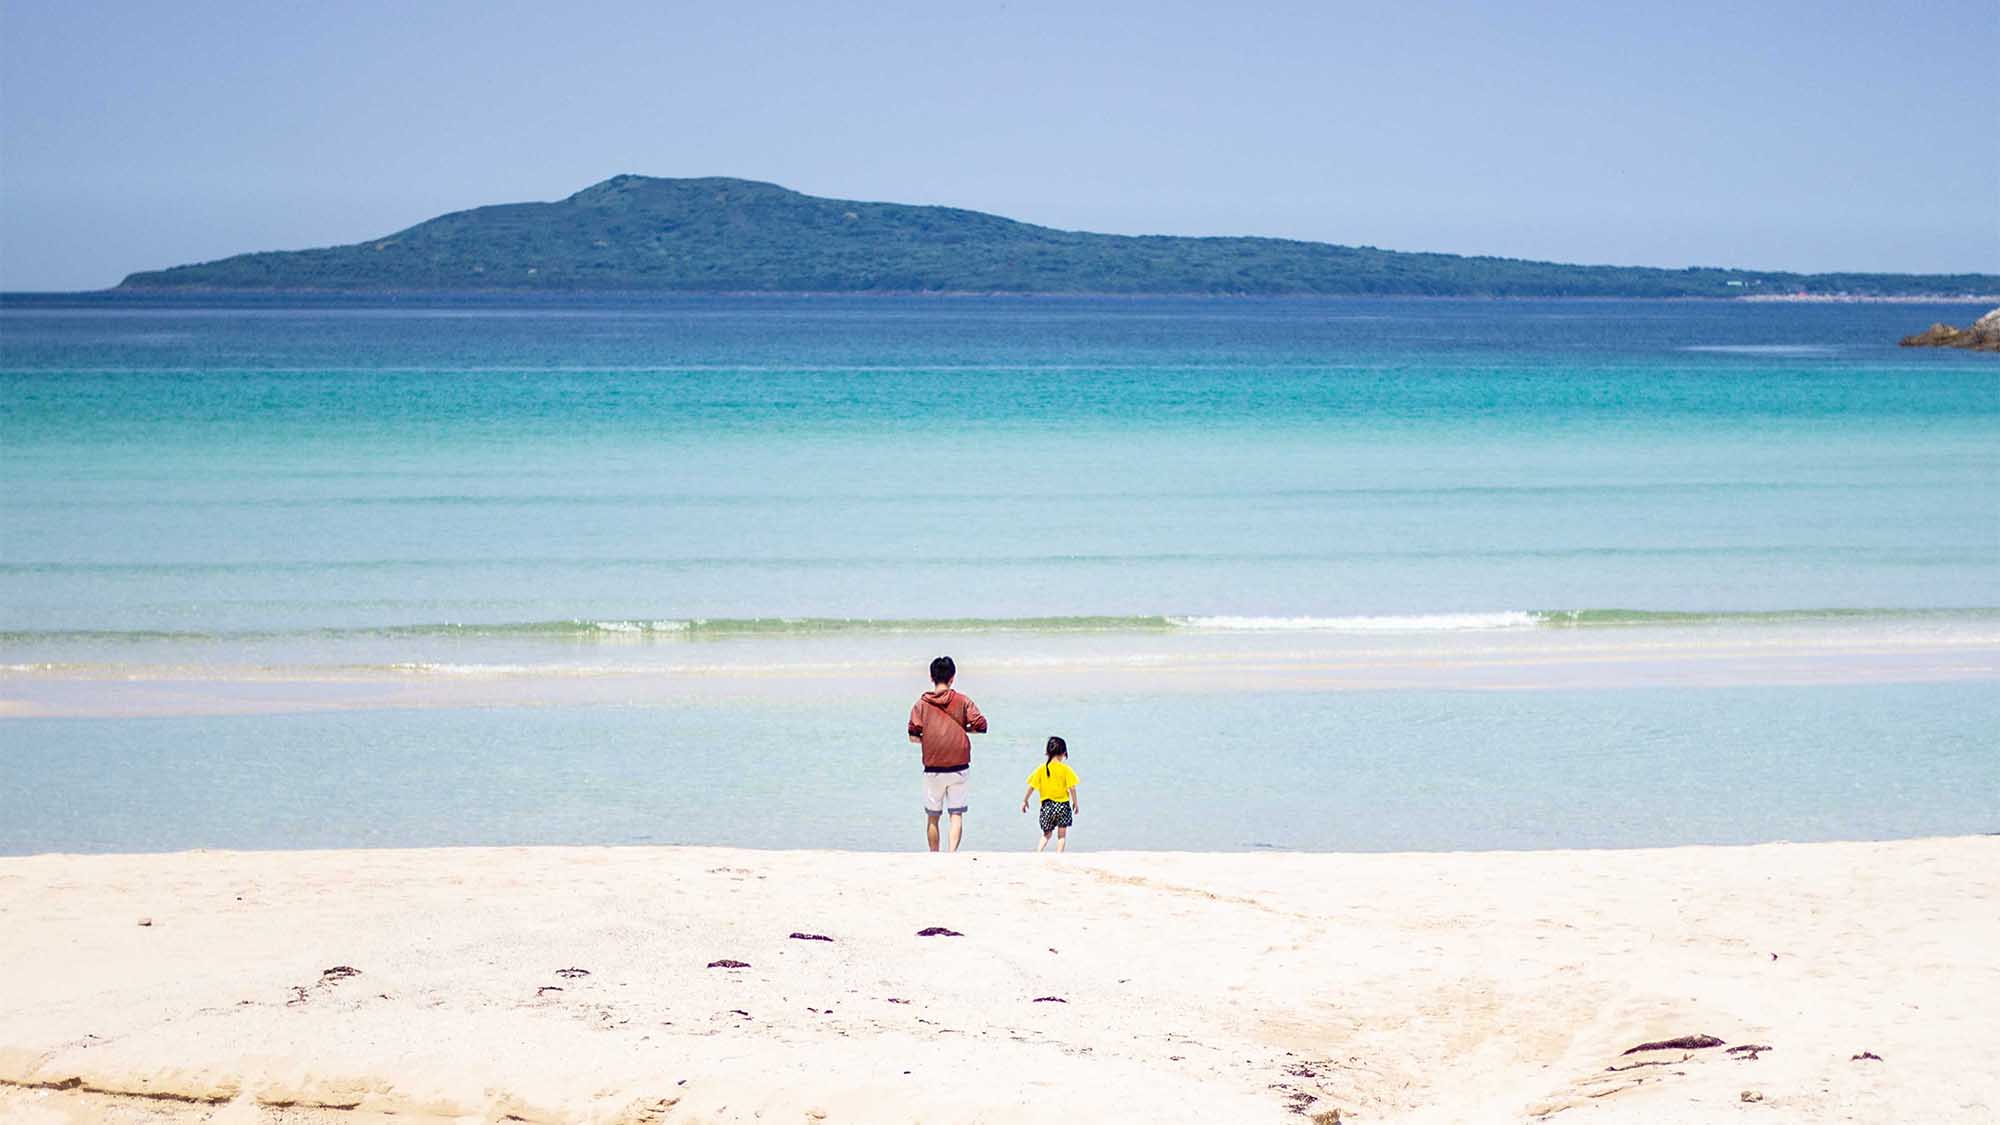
(1025, 796)
(1074, 808)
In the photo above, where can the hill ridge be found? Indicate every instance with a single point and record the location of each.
(630, 232)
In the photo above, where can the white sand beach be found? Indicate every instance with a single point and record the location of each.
(574, 984)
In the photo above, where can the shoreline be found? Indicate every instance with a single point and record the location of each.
(562, 295)
(368, 673)
(573, 984)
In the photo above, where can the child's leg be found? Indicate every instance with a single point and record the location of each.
(1062, 839)
(1044, 843)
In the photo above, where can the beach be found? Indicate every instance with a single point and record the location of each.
(588, 984)
(451, 709)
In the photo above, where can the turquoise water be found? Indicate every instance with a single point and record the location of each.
(195, 484)
(1355, 772)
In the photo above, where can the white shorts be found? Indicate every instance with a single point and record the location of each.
(945, 792)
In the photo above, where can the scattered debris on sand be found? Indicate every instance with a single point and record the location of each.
(1684, 1043)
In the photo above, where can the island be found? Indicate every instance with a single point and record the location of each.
(718, 235)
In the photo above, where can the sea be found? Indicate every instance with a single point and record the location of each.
(1322, 574)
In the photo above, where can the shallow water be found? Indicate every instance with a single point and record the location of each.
(1350, 771)
(274, 500)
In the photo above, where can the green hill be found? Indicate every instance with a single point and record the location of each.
(636, 233)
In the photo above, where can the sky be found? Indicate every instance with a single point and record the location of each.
(1772, 134)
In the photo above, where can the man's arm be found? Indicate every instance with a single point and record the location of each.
(916, 726)
(974, 721)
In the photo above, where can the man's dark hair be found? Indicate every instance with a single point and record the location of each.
(943, 671)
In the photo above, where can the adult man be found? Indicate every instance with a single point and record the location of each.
(942, 722)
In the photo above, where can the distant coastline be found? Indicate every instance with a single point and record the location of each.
(558, 296)
(720, 236)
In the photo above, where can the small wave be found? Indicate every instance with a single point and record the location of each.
(676, 629)
(1616, 618)
(1410, 623)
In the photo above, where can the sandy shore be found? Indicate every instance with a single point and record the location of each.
(573, 984)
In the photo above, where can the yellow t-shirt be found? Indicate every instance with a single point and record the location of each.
(1054, 781)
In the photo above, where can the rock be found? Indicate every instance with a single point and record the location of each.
(1684, 1043)
(1982, 336)
(1750, 1096)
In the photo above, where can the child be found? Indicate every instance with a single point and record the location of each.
(1057, 783)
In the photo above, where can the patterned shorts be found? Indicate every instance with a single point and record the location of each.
(1055, 814)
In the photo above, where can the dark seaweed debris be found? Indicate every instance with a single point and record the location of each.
(798, 936)
(938, 931)
(1684, 1043)
(1050, 1000)
(572, 973)
(726, 963)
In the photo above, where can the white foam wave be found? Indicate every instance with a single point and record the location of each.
(631, 627)
(462, 671)
(1409, 623)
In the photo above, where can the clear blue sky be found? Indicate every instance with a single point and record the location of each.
(1777, 133)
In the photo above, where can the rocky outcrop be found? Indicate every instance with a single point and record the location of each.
(1983, 336)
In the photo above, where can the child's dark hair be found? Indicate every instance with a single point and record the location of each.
(1057, 747)
(943, 671)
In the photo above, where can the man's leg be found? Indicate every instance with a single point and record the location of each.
(931, 829)
(955, 796)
